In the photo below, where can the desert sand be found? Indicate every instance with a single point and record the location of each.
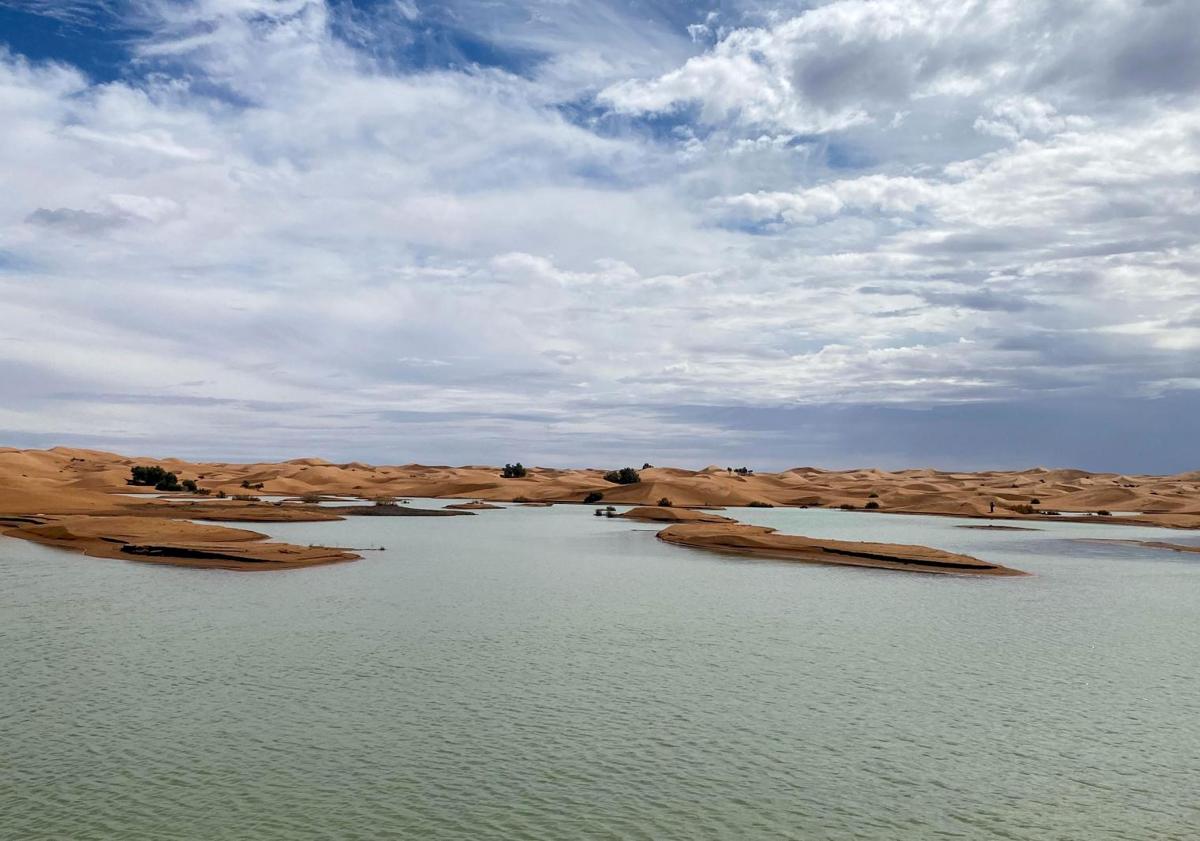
(660, 514)
(760, 541)
(85, 492)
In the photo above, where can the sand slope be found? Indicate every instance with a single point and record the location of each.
(52, 485)
(80, 480)
(760, 541)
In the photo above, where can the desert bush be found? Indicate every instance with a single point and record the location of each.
(845, 506)
(872, 495)
(189, 485)
(222, 495)
(1035, 501)
(169, 483)
(872, 505)
(647, 466)
(594, 496)
(664, 503)
(147, 476)
(758, 503)
(1024, 509)
(311, 498)
(624, 476)
(513, 471)
(1104, 513)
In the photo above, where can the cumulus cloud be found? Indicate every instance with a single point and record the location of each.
(878, 193)
(853, 61)
(278, 221)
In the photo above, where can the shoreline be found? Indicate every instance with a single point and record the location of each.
(83, 500)
(766, 543)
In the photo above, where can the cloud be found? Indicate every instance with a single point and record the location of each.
(304, 234)
(849, 62)
(877, 193)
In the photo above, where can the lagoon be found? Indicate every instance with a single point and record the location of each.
(540, 673)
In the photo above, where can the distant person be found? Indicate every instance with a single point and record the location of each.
(992, 507)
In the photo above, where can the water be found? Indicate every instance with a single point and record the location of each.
(541, 673)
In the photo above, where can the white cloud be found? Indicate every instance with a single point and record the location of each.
(878, 193)
(880, 203)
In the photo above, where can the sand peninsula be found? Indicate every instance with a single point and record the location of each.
(82, 500)
(764, 542)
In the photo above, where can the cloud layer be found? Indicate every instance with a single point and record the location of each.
(568, 233)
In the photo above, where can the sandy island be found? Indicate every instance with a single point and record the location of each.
(80, 499)
(763, 542)
(660, 514)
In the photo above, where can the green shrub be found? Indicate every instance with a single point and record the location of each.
(845, 506)
(872, 495)
(872, 505)
(647, 466)
(189, 485)
(594, 496)
(624, 476)
(1104, 513)
(664, 503)
(169, 483)
(147, 476)
(758, 503)
(513, 471)
(1035, 501)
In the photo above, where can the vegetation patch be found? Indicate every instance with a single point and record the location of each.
(624, 476)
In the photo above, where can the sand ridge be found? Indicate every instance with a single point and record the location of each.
(63, 486)
(765, 542)
(81, 479)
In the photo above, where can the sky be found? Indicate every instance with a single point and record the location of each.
(895, 233)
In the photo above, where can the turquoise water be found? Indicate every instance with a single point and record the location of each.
(544, 674)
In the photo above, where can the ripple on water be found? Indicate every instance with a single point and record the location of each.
(544, 674)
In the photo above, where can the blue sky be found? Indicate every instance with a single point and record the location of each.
(892, 232)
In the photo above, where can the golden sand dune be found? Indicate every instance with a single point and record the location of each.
(80, 479)
(760, 541)
(172, 541)
(659, 514)
(60, 482)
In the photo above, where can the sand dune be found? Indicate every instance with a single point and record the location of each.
(172, 541)
(51, 485)
(77, 479)
(659, 514)
(760, 541)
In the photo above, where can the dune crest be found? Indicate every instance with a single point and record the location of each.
(77, 479)
(61, 488)
(764, 542)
